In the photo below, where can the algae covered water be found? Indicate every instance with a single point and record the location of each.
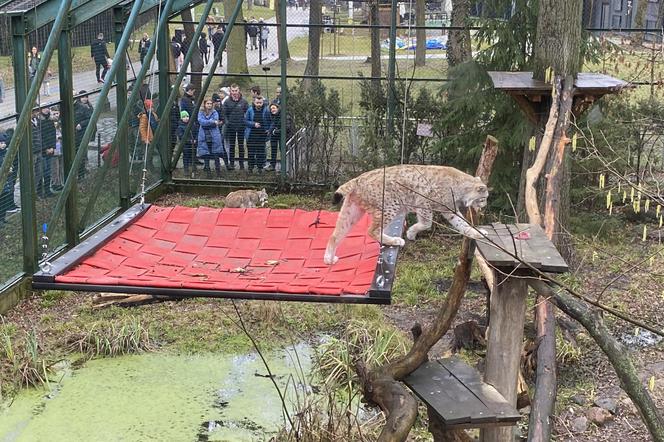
(157, 396)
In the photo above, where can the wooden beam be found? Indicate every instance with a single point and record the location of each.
(527, 107)
(504, 344)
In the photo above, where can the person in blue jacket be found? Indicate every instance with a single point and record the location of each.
(209, 137)
(257, 122)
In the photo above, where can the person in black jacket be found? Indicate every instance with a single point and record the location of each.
(233, 110)
(252, 32)
(47, 139)
(204, 48)
(216, 39)
(99, 53)
(144, 46)
(82, 113)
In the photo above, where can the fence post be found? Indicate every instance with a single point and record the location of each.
(121, 137)
(284, 86)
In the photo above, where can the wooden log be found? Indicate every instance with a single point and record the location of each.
(617, 354)
(505, 341)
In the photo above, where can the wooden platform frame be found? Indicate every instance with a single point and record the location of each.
(532, 95)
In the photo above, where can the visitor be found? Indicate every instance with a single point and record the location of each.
(99, 54)
(252, 32)
(144, 46)
(147, 125)
(47, 139)
(204, 48)
(187, 145)
(257, 122)
(82, 114)
(34, 57)
(176, 52)
(209, 138)
(233, 112)
(264, 31)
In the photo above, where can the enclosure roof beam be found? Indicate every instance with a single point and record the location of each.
(81, 10)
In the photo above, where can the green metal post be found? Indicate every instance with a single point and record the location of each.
(81, 150)
(26, 109)
(208, 80)
(67, 125)
(135, 92)
(178, 80)
(164, 140)
(25, 158)
(121, 138)
(391, 72)
(283, 41)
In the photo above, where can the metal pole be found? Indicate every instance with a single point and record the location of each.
(68, 131)
(87, 136)
(283, 41)
(164, 139)
(26, 109)
(208, 80)
(26, 170)
(135, 92)
(121, 137)
(391, 73)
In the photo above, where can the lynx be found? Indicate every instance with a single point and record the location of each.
(246, 198)
(408, 188)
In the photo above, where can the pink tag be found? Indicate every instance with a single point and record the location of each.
(522, 235)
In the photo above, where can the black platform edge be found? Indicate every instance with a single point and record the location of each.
(90, 245)
(381, 286)
(191, 293)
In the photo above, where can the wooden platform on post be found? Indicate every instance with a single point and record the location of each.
(506, 248)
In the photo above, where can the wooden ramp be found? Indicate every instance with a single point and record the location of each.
(456, 393)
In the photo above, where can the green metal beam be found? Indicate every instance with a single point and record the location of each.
(164, 109)
(68, 134)
(26, 109)
(119, 18)
(208, 80)
(87, 136)
(283, 45)
(26, 174)
(163, 22)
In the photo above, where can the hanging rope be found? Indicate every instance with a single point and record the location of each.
(150, 110)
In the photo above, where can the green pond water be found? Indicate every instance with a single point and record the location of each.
(159, 397)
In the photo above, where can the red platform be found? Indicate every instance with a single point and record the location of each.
(232, 250)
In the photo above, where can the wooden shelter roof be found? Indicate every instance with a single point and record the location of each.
(586, 83)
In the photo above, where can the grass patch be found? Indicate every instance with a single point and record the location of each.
(22, 360)
(114, 338)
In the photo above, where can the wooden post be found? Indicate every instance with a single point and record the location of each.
(504, 345)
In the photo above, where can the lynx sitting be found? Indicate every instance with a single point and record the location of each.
(408, 188)
(246, 198)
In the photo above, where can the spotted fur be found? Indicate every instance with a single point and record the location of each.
(408, 188)
(246, 198)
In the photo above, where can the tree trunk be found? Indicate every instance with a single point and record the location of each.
(375, 43)
(279, 18)
(313, 53)
(421, 45)
(639, 22)
(558, 18)
(617, 354)
(196, 59)
(236, 48)
(458, 42)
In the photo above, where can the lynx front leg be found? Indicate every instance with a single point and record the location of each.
(461, 225)
(349, 214)
(424, 221)
(375, 231)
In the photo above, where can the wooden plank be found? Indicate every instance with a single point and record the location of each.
(451, 400)
(549, 257)
(527, 253)
(489, 396)
(585, 83)
(491, 253)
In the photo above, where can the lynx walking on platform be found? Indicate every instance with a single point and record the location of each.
(408, 188)
(246, 198)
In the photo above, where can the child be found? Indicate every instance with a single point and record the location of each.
(188, 145)
(47, 83)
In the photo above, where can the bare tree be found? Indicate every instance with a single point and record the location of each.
(196, 59)
(236, 47)
(280, 19)
(374, 20)
(458, 43)
(313, 53)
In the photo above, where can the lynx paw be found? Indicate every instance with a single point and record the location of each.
(411, 234)
(329, 260)
(394, 241)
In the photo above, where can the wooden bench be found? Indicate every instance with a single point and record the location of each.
(457, 395)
